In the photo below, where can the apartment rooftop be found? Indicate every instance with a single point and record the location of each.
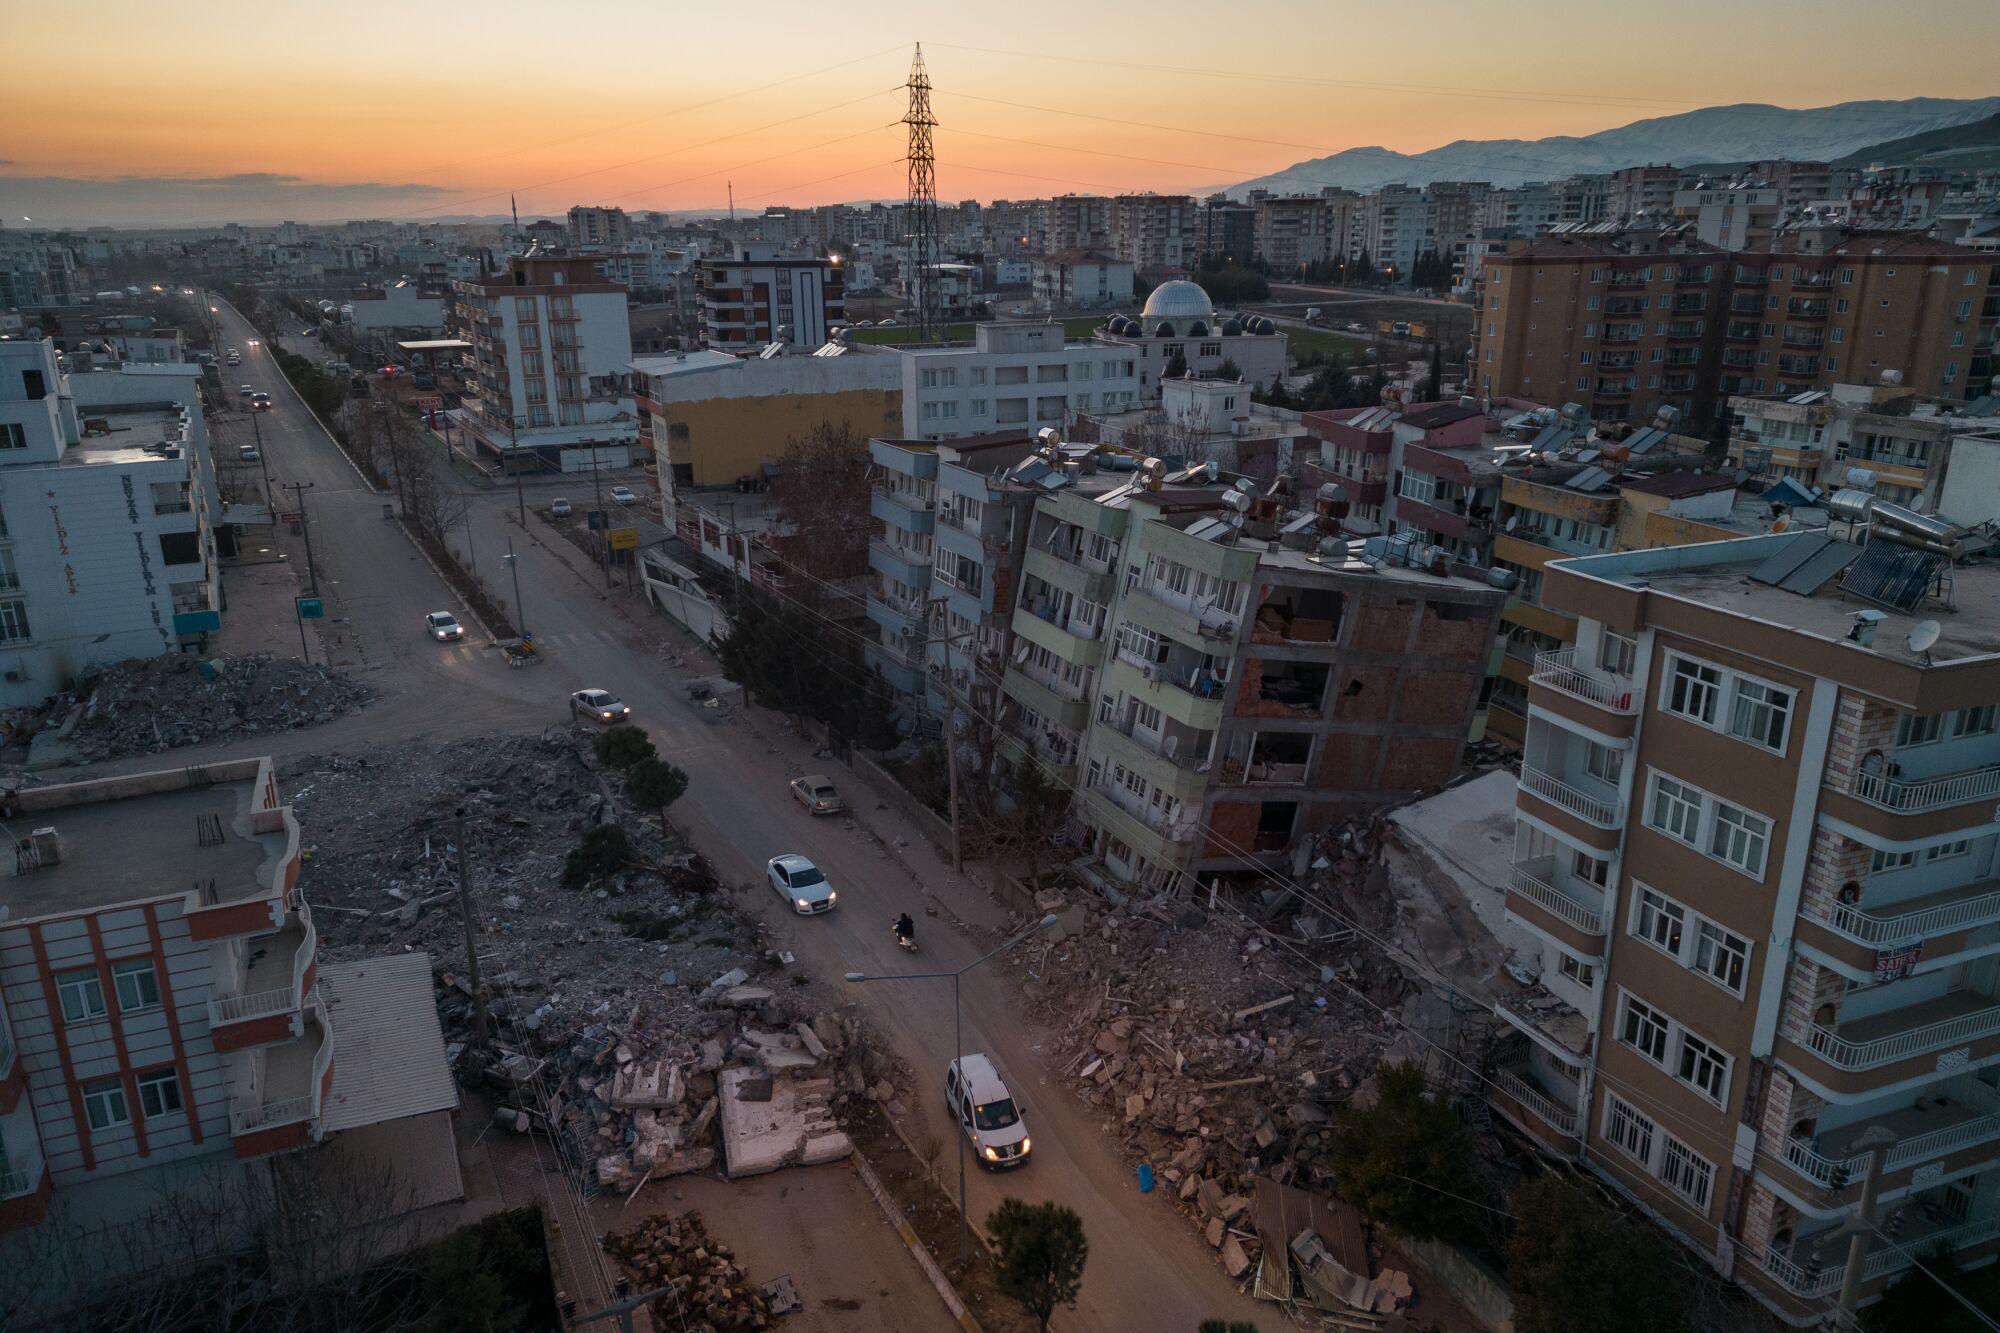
(1812, 594)
(136, 839)
(135, 435)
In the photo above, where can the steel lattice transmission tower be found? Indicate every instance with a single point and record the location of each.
(922, 210)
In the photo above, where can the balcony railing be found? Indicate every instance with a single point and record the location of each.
(1522, 880)
(1823, 1276)
(1878, 928)
(1559, 1118)
(1560, 670)
(236, 1008)
(1182, 831)
(1914, 795)
(1837, 1050)
(1579, 803)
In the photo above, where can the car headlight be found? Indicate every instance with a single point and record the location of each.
(832, 897)
(1026, 1144)
(802, 902)
(992, 1155)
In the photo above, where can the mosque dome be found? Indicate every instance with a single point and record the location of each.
(1178, 300)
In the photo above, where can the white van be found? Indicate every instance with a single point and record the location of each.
(985, 1111)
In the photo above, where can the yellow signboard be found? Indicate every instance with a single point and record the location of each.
(623, 539)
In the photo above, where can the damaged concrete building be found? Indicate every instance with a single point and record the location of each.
(1755, 840)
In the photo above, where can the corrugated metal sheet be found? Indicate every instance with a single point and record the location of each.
(417, 1156)
(388, 1050)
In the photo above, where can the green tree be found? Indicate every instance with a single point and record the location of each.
(1719, 427)
(1039, 1252)
(1176, 366)
(1362, 269)
(622, 746)
(604, 851)
(1921, 1301)
(1577, 1266)
(1406, 1160)
(1435, 384)
(1275, 396)
(1228, 370)
(655, 784)
(1038, 804)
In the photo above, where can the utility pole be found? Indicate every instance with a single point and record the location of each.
(521, 499)
(471, 945)
(1876, 1143)
(299, 489)
(950, 735)
(921, 213)
(257, 430)
(621, 1310)
(514, 567)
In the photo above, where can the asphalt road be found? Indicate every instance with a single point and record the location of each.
(1147, 1267)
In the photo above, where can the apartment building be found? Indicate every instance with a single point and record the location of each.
(1454, 218)
(1228, 230)
(1015, 376)
(1647, 191)
(1395, 228)
(1755, 839)
(599, 228)
(1080, 280)
(715, 420)
(1427, 472)
(162, 1003)
(1073, 222)
(549, 366)
(1216, 692)
(1625, 321)
(1155, 231)
(1292, 231)
(107, 543)
(754, 296)
(1734, 215)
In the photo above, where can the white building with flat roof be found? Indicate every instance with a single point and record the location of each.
(1015, 376)
(106, 494)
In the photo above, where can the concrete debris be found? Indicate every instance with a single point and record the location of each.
(788, 1122)
(148, 704)
(594, 1038)
(705, 1285)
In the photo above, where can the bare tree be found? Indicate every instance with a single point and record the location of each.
(822, 493)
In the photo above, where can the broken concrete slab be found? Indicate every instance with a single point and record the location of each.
(761, 1136)
(1234, 1261)
(744, 997)
(811, 1041)
(735, 976)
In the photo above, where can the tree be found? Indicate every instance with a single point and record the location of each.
(1039, 1252)
(622, 747)
(1719, 427)
(1176, 366)
(1275, 396)
(604, 851)
(1406, 1160)
(1577, 1266)
(1362, 269)
(1435, 384)
(1921, 1301)
(1228, 370)
(655, 784)
(822, 491)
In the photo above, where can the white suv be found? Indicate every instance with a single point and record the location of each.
(986, 1112)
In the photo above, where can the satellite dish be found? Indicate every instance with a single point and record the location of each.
(1924, 636)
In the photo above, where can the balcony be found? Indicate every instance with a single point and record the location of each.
(1612, 702)
(1590, 809)
(988, 534)
(903, 619)
(1066, 570)
(1521, 1098)
(1534, 880)
(1071, 638)
(1124, 803)
(1684, 331)
(1965, 1115)
(23, 1175)
(1614, 390)
(1629, 282)
(1917, 795)
(1948, 912)
(277, 980)
(900, 563)
(1814, 1267)
(281, 1114)
(1901, 1034)
(900, 509)
(1743, 330)
(1814, 310)
(1032, 690)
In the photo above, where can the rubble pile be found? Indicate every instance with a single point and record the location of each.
(1212, 1056)
(149, 704)
(708, 1287)
(611, 1008)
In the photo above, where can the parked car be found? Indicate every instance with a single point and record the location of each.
(559, 508)
(815, 792)
(624, 495)
(986, 1112)
(443, 626)
(248, 453)
(599, 706)
(800, 883)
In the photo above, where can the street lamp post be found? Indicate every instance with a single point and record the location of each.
(514, 567)
(958, 1044)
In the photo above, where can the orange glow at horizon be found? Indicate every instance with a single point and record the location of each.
(430, 115)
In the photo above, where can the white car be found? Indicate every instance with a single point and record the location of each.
(443, 625)
(800, 883)
(624, 495)
(559, 508)
(599, 706)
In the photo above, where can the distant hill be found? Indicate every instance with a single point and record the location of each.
(1741, 133)
(1970, 147)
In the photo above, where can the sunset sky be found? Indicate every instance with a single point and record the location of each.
(127, 113)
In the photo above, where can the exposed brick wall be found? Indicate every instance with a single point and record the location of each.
(1232, 827)
(1831, 862)
(1787, 1103)
(1382, 626)
(1860, 724)
(1759, 1219)
(1415, 763)
(1437, 637)
(1377, 697)
(1434, 697)
(1348, 760)
(1249, 704)
(1809, 986)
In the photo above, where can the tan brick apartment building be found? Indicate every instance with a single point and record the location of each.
(1624, 320)
(1756, 833)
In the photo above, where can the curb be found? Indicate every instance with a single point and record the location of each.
(915, 1246)
(402, 526)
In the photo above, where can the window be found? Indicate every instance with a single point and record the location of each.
(1975, 721)
(81, 994)
(1658, 921)
(979, 407)
(1686, 1172)
(976, 375)
(1944, 851)
(1603, 763)
(1759, 713)
(1740, 838)
(1693, 689)
(159, 1093)
(1676, 809)
(1617, 653)
(1418, 486)
(1582, 973)
(137, 983)
(1628, 1129)
(13, 621)
(1721, 955)
(1919, 728)
(104, 1104)
(1589, 869)
(1882, 861)
(1702, 1066)
(1645, 1030)
(12, 436)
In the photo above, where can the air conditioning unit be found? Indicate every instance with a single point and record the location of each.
(48, 848)
(1154, 671)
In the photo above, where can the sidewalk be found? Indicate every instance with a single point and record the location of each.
(260, 591)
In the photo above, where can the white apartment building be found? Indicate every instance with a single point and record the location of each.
(1155, 230)
(1081, 280)
(1015, 376)
(106, 546)
(598, 228)
(1395, 227)
(403, 308)
(550, 364)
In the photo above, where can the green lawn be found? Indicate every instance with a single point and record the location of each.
(1079, 327)
(1304, 341)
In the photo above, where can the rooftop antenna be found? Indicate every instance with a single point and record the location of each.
(922, 209)
(1923, 636)
(732, 201)
(515, 204)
